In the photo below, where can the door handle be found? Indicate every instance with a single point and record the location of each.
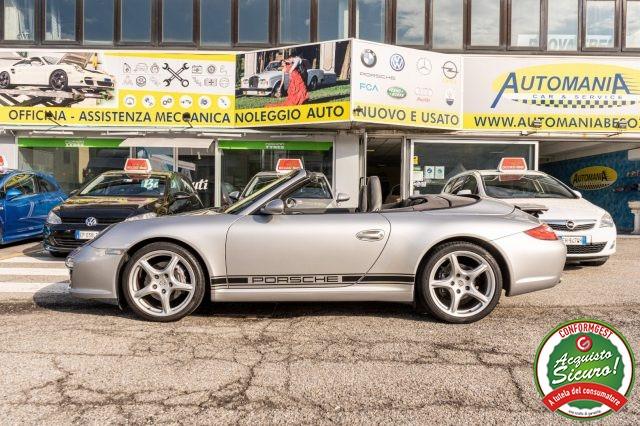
(370, 235)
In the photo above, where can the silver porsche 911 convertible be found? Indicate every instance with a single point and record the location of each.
(449, 255)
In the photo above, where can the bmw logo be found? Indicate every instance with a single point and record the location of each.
(396, 62)
(91, 221)
(368, 58)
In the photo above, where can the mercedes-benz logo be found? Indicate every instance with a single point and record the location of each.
(424, 66)
(570, 224)
(396, 62)
(368, 58)
(450, 70)
(91, 221)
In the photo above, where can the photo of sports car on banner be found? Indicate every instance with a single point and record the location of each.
(313, 212)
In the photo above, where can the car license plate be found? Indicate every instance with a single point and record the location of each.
(575, 241)
(86, 235)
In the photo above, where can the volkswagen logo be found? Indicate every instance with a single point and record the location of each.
(91, 221)
(570, 224)
(396, 62)
(450, 70)
(368, 58)
(424, 66)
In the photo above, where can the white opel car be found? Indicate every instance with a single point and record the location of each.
(587, 230)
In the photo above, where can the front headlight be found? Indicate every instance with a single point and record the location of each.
(606, 221)
(53, 219)
(264, 82)
(245, 81)
(141, 216)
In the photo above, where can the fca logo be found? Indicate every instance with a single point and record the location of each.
(368, 87)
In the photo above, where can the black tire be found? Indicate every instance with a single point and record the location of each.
(313, 84)
(5, 80)
(58, 254)
(58, 80)
(199, 283)
(598, 262)
(439, 253)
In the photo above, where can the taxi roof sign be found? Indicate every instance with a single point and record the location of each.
(3, 162)
(139, 165)
(288, 164)
(512, 164)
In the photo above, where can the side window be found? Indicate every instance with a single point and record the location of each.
(45, 185)
(471, 184)
(455, 185)
(313, 190)
(25, 183)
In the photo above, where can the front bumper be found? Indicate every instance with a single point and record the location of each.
(62, 238)
(533, 264)
(94, 273)
(602, 243)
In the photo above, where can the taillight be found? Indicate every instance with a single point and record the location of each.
(542, 232)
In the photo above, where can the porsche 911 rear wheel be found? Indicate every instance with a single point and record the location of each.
(59, 80)
(163, 282)
(461, 282)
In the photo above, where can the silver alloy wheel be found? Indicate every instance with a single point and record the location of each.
(462, 284)
(161, 283)
(58, 80)
(5, 80)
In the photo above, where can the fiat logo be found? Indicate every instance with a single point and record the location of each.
(91, 221)
(570, 224)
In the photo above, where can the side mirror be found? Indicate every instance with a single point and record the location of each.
(180, 196)
(342, 197)
(274, 207)
(578, 194)
(234, 196)
(463, 192)
(13, 193)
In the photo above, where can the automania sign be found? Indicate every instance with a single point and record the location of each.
(594, 177)
(581, 85)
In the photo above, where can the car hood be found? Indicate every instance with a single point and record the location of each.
(104, 206)
(269, 74)
(563, 208)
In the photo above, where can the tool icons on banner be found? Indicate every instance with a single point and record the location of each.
(176, 75)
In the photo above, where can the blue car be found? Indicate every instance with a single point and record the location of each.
(26, 198)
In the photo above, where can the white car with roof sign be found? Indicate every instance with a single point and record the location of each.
(587, 230)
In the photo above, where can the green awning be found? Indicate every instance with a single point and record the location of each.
(277, 145)
(24, 142)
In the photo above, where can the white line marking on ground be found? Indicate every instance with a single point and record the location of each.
(39, 260)
(49, 272)
(54, 288)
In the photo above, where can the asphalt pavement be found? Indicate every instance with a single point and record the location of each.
(66, 361)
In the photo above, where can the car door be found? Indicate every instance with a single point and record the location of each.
(322, 245)
(49, 196)
(19, 212)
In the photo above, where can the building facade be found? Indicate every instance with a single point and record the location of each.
(520, 63)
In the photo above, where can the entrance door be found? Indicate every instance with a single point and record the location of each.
(384, 159)
(305, 244)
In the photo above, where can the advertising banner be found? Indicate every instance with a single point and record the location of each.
(294, 85)
(407, 87)
(551, 94)
(116, 88)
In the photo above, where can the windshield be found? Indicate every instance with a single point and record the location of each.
(274, 66)
(50, 60)
(126, 186)
(257, 183)
(525, 186)
(237, 207)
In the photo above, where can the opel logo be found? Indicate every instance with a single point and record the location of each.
(91, 221)
(450, 70)
(396, 62)
(570, 224)
(368, 58)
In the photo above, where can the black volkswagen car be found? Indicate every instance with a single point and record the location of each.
(115, 196)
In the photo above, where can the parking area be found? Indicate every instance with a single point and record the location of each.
(68, 361)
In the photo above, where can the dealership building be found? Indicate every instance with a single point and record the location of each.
(413, 91)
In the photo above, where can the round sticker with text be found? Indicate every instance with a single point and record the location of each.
(584, 369)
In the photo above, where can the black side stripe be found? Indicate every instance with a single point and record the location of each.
(388, 278)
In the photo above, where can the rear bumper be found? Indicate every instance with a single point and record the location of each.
(533, 264)
(94, 274)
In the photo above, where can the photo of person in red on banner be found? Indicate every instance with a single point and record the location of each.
(297, 93)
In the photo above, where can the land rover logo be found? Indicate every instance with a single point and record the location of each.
(570, 224)
(91, 221)
(368, 58)
(396, 62)
(396, 92)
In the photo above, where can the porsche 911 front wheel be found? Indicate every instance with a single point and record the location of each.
(58, 80)
(163, 282)
(5, 80)
(461, 282)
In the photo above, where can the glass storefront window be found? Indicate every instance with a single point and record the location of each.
(447, 23)
(525, 23)
(136, 21)
(632, 39)
(295, 21)
(253, 21)
(60, 20)
(600, 17)
(333, 19)
(198, 165)
(98, 21)
(177, 21)
(19, 20)
(410, 22)
(438, 162)
(485, 22)
(215, 22)
(160, 158)
(562, 25)
(370, 19)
